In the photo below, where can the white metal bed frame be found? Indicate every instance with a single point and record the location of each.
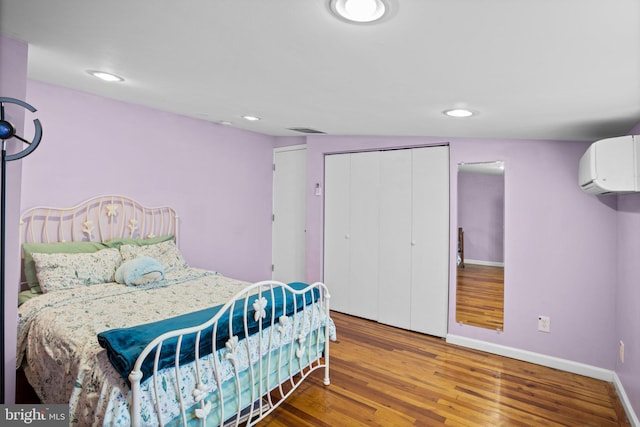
(97, 219)
(311, 353)
(112, 216)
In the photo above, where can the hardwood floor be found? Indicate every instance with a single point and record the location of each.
(383, 376)
(480, 296)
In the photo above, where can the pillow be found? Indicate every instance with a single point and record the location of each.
(66, 271)
(139, 271)
(25, 296)
(50, 248)
(116, 243)
(166, 253)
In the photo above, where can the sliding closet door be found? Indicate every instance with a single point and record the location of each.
(337, 193)
(394, 267)
(430, 241)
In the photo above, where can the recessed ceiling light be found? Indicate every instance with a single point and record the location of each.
(107, 77)
(361, 11)
(251, 118)
(225, 122)
(458, 112)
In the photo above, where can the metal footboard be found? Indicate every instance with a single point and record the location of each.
(257, 353)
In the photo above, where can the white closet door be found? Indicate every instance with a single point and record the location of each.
(430, 254)
(363, 235)
(394, 273)
(289, 210)
(336, 226)
(386, 236)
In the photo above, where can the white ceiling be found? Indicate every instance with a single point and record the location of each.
(539, 69)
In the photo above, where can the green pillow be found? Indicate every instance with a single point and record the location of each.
(53, 248)
(25, 296)
(117, 242)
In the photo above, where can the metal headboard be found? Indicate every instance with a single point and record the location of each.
(98, 219)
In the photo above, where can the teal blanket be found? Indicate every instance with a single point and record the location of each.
(124, 345)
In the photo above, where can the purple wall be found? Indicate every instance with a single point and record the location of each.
(13, 84)
(551, 240)
(553, 233)
(628, 292)
(481, 215)
(218, 178)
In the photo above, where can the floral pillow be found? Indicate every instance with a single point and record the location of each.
(66, 271)
(166, 253)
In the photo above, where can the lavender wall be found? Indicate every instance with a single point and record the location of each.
(481, 215)
(553, 232)
(628, 292)
(218, 178)
(13, 84)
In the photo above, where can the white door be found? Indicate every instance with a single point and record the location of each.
(351, 199)
(289, 214)
(387, 236)
(430, 241)
(363, 234)
(394, 271)
(337, 175)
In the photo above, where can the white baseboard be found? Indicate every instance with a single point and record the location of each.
(633, 418)
(537, 358)
(552, 362)
(489, 263)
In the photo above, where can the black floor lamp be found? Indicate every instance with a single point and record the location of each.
(8, 131)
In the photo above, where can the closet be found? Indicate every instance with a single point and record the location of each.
(386, 236)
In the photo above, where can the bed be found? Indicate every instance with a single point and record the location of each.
(117, 324)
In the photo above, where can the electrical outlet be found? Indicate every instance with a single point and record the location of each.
(621, 350)
(544, 324)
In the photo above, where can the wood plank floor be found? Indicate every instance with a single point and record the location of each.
(480, 296)
(383, 376)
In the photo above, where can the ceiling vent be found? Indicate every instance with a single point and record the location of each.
(306, 130)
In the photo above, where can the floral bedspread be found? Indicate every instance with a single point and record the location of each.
(75, 368)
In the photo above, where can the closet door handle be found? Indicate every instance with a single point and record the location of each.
(413, 243)
(347, 236)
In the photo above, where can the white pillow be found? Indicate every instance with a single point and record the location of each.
(166, 253)
(66, 271)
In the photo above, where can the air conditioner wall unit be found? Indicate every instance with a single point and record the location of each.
(610, 166)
